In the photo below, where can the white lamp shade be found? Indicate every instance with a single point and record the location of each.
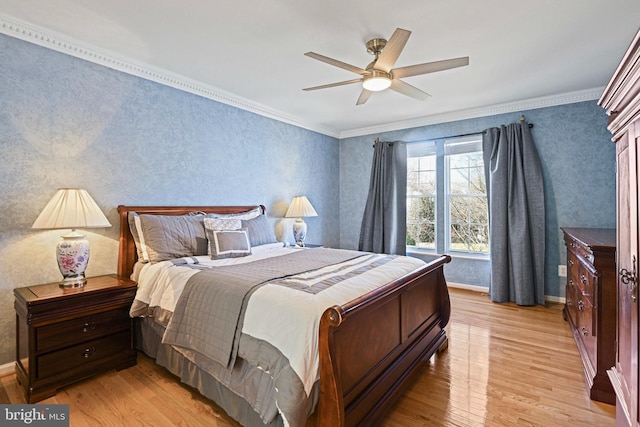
(71, 208)
(300, 207)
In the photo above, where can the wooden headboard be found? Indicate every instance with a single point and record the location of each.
(127, 254)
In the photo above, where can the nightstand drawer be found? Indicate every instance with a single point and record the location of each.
(63, 334)
(91, 352)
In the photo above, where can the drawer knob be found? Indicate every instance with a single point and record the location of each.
(580, 305)
(89, 326)
(88, 352)
(583, 279)
(570, 262)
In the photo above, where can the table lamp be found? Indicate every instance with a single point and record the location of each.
(71, 208)
(299, 208)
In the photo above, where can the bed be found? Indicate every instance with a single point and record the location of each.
(390, 316)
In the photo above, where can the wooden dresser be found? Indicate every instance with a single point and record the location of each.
(621, 99)
(590, 306)
(68, 334)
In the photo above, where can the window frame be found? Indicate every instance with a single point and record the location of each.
(442, 149)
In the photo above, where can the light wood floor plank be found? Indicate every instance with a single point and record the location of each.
(505, 366)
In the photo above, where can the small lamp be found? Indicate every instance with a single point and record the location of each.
(299, 208)
(71, 208)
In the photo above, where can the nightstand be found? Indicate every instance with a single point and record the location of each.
(64, 335)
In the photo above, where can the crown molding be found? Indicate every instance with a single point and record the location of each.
(49, 39)
(523, 105)
(52, 40)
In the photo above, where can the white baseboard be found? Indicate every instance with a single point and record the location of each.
(468, 287)
(548, 298)
(7, 369)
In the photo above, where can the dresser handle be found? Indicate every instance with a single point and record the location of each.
(88, 326)
(628, 277)
(570, 262)
(583, 279)
(88, 352)
(570, 282)
(580, 305)
(585, 331)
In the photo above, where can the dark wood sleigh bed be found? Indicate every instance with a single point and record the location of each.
(367, 347)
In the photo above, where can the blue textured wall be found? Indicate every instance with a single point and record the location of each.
(65, 122)
(578, 160)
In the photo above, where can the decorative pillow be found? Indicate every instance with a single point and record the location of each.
(169, 237)
(253, 213)
(222, 223)
(228, 243)
(260, 231)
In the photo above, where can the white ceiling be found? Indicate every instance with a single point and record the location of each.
(250, 53)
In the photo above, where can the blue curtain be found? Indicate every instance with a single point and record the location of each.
(515, 193)
(384, 225)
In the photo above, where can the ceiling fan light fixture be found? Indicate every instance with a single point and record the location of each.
(376, 81)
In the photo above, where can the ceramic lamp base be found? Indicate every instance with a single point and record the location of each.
(299, 231)
(73, 257)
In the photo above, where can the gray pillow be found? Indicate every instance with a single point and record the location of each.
(169, 237)
(260, 230)
(228, 243)
(131, 218)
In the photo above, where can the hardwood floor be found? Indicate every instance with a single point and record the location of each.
(505, 366)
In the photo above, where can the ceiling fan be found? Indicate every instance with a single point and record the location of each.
(379, 74)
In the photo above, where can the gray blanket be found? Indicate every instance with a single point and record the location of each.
(208, 316)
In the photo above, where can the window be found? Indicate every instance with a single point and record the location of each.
(421, 201)
(446, 196)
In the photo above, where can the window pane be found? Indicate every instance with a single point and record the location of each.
(467, 203)
(421, 235)
(479, 238)
(459, 181)
(421, 209)
(476, 181)
(459, 233)
(478, 210)
(459, 209)
(421, 213)
(427, 182)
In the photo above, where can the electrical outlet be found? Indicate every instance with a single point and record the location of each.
(562, 270)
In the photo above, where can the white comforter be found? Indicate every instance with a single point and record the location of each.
(160, 285)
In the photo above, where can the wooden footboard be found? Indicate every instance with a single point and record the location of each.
(369, 346)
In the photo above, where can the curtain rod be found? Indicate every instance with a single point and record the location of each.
(522, 119)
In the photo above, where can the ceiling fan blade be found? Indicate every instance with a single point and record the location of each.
(347, 82)
(337, 63)
(429, 67)
(364, 96)
(392, 50)
(407, 89)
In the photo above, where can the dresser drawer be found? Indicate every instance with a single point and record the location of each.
(586, 282)
(585, 328)
(572, 302)
(63, 334)
(78, 356)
